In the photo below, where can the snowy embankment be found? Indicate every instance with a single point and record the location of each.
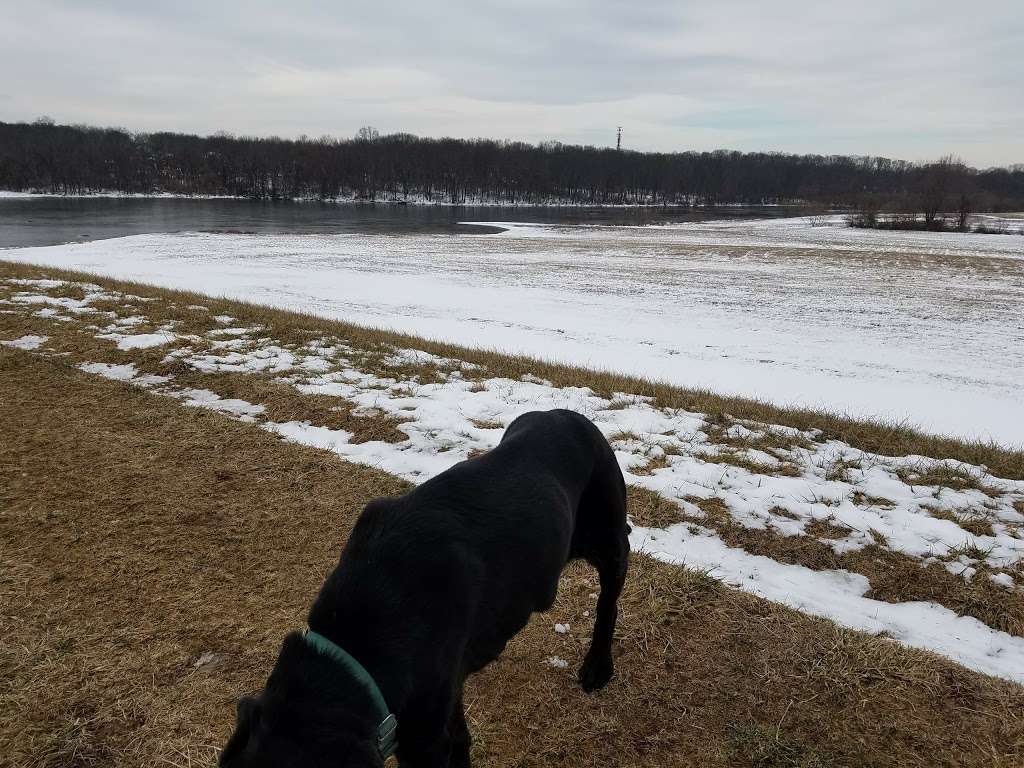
(874, 500)
(915, 327)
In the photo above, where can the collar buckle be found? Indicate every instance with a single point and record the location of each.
(387, 736)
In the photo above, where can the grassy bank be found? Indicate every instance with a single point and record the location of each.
(827, 507)
(153, 556)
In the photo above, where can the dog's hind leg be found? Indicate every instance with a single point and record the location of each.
(608, 551)
(597, 667)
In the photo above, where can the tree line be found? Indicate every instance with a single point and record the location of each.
(66, 159)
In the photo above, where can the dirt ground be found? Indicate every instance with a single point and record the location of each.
(153, 556)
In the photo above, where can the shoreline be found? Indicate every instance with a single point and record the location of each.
(419, 201)
(412, 201)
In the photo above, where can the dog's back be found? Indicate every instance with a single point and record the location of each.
(475, 550)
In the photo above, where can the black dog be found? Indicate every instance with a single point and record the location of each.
(430, 588)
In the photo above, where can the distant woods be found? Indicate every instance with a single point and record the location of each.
(944, 204)
(43, 156)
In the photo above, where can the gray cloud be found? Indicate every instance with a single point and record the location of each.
(904, 78)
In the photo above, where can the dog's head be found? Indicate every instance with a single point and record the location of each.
(307, 716)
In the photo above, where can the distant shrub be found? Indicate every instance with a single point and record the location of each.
(997, 228)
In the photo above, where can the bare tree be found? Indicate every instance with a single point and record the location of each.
(963, 214)
(938, 178)
(865, 215)
(367, 133)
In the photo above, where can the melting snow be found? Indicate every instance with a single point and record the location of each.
(26, 342)
(140, 340)
(125, 372)
(204, 398)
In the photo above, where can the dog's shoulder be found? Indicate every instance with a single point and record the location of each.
(556, 420)
(555, 432)
(373, 520)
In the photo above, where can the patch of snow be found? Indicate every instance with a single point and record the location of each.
(315, 365)
(43, 285)
(270, 359)
(204, 398)
(556, 662)
(562, 629)
(236, 344)
(126, 342)
(77, 306)
(130, 321)
(1002, 579)
(150, 380)
(28, 342)
(123, 372)
(233, 331)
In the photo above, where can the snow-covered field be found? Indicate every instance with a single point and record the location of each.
(918, 327)
(872, 500)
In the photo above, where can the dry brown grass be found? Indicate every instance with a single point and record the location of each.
(652, 510)
(769, 748)
(716, 511)
(138, 538)
(891, 439)
(862, 499)
(717, 425)
(839, 470)
(783, 512)
(743, 461)
(653, 465)
(69, 291)
(486, 424)
(966, 519)
(91, 682)
(944, 476)
(825, 529)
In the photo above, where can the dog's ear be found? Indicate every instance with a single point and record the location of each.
(247, 718)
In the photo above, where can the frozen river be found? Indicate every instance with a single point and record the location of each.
(919, 327)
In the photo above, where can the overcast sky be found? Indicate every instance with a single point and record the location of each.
(901, 78)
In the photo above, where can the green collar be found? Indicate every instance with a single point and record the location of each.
(387, 731)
